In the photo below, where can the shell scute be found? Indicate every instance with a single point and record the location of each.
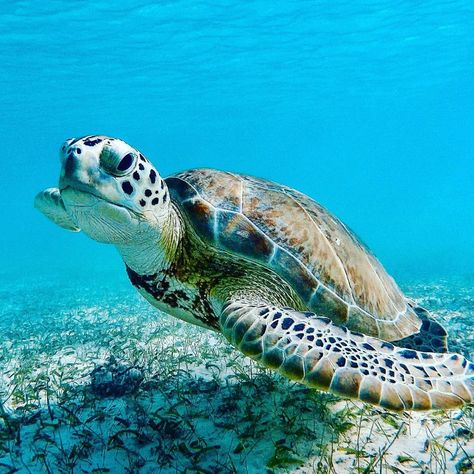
(325, 303)
(359, 321)
(294, 272)
(180, 190)
(237, 233)
(223, 190)
(203, 217)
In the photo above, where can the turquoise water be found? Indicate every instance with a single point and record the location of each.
(365, 106)
(368, 107)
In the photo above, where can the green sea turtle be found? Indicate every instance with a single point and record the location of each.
(285, 282)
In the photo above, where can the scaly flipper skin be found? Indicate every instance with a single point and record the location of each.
(50, 203)
(314, 351)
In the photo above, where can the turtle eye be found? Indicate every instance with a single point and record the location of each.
(115, 163)
(126, 162)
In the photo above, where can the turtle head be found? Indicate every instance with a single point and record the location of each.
(110, 190)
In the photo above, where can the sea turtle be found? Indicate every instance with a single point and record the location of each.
(282, 279)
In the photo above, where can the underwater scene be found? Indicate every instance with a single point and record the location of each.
(159, 320)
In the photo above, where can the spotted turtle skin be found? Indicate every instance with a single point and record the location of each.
(331, 270)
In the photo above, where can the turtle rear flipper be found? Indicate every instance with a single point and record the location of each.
(314, 351)
(50, 203)
(432, 336)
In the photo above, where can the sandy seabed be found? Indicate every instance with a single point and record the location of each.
(191, 403)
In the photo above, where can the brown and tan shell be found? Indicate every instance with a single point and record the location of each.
(331, 270)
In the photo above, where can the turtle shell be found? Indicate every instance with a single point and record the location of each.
(326, 264)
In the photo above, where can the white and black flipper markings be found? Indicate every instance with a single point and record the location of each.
(314, 351)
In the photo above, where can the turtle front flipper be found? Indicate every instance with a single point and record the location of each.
(314, 351)
(50, 203)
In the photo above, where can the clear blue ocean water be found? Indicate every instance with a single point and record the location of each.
(365, 106)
